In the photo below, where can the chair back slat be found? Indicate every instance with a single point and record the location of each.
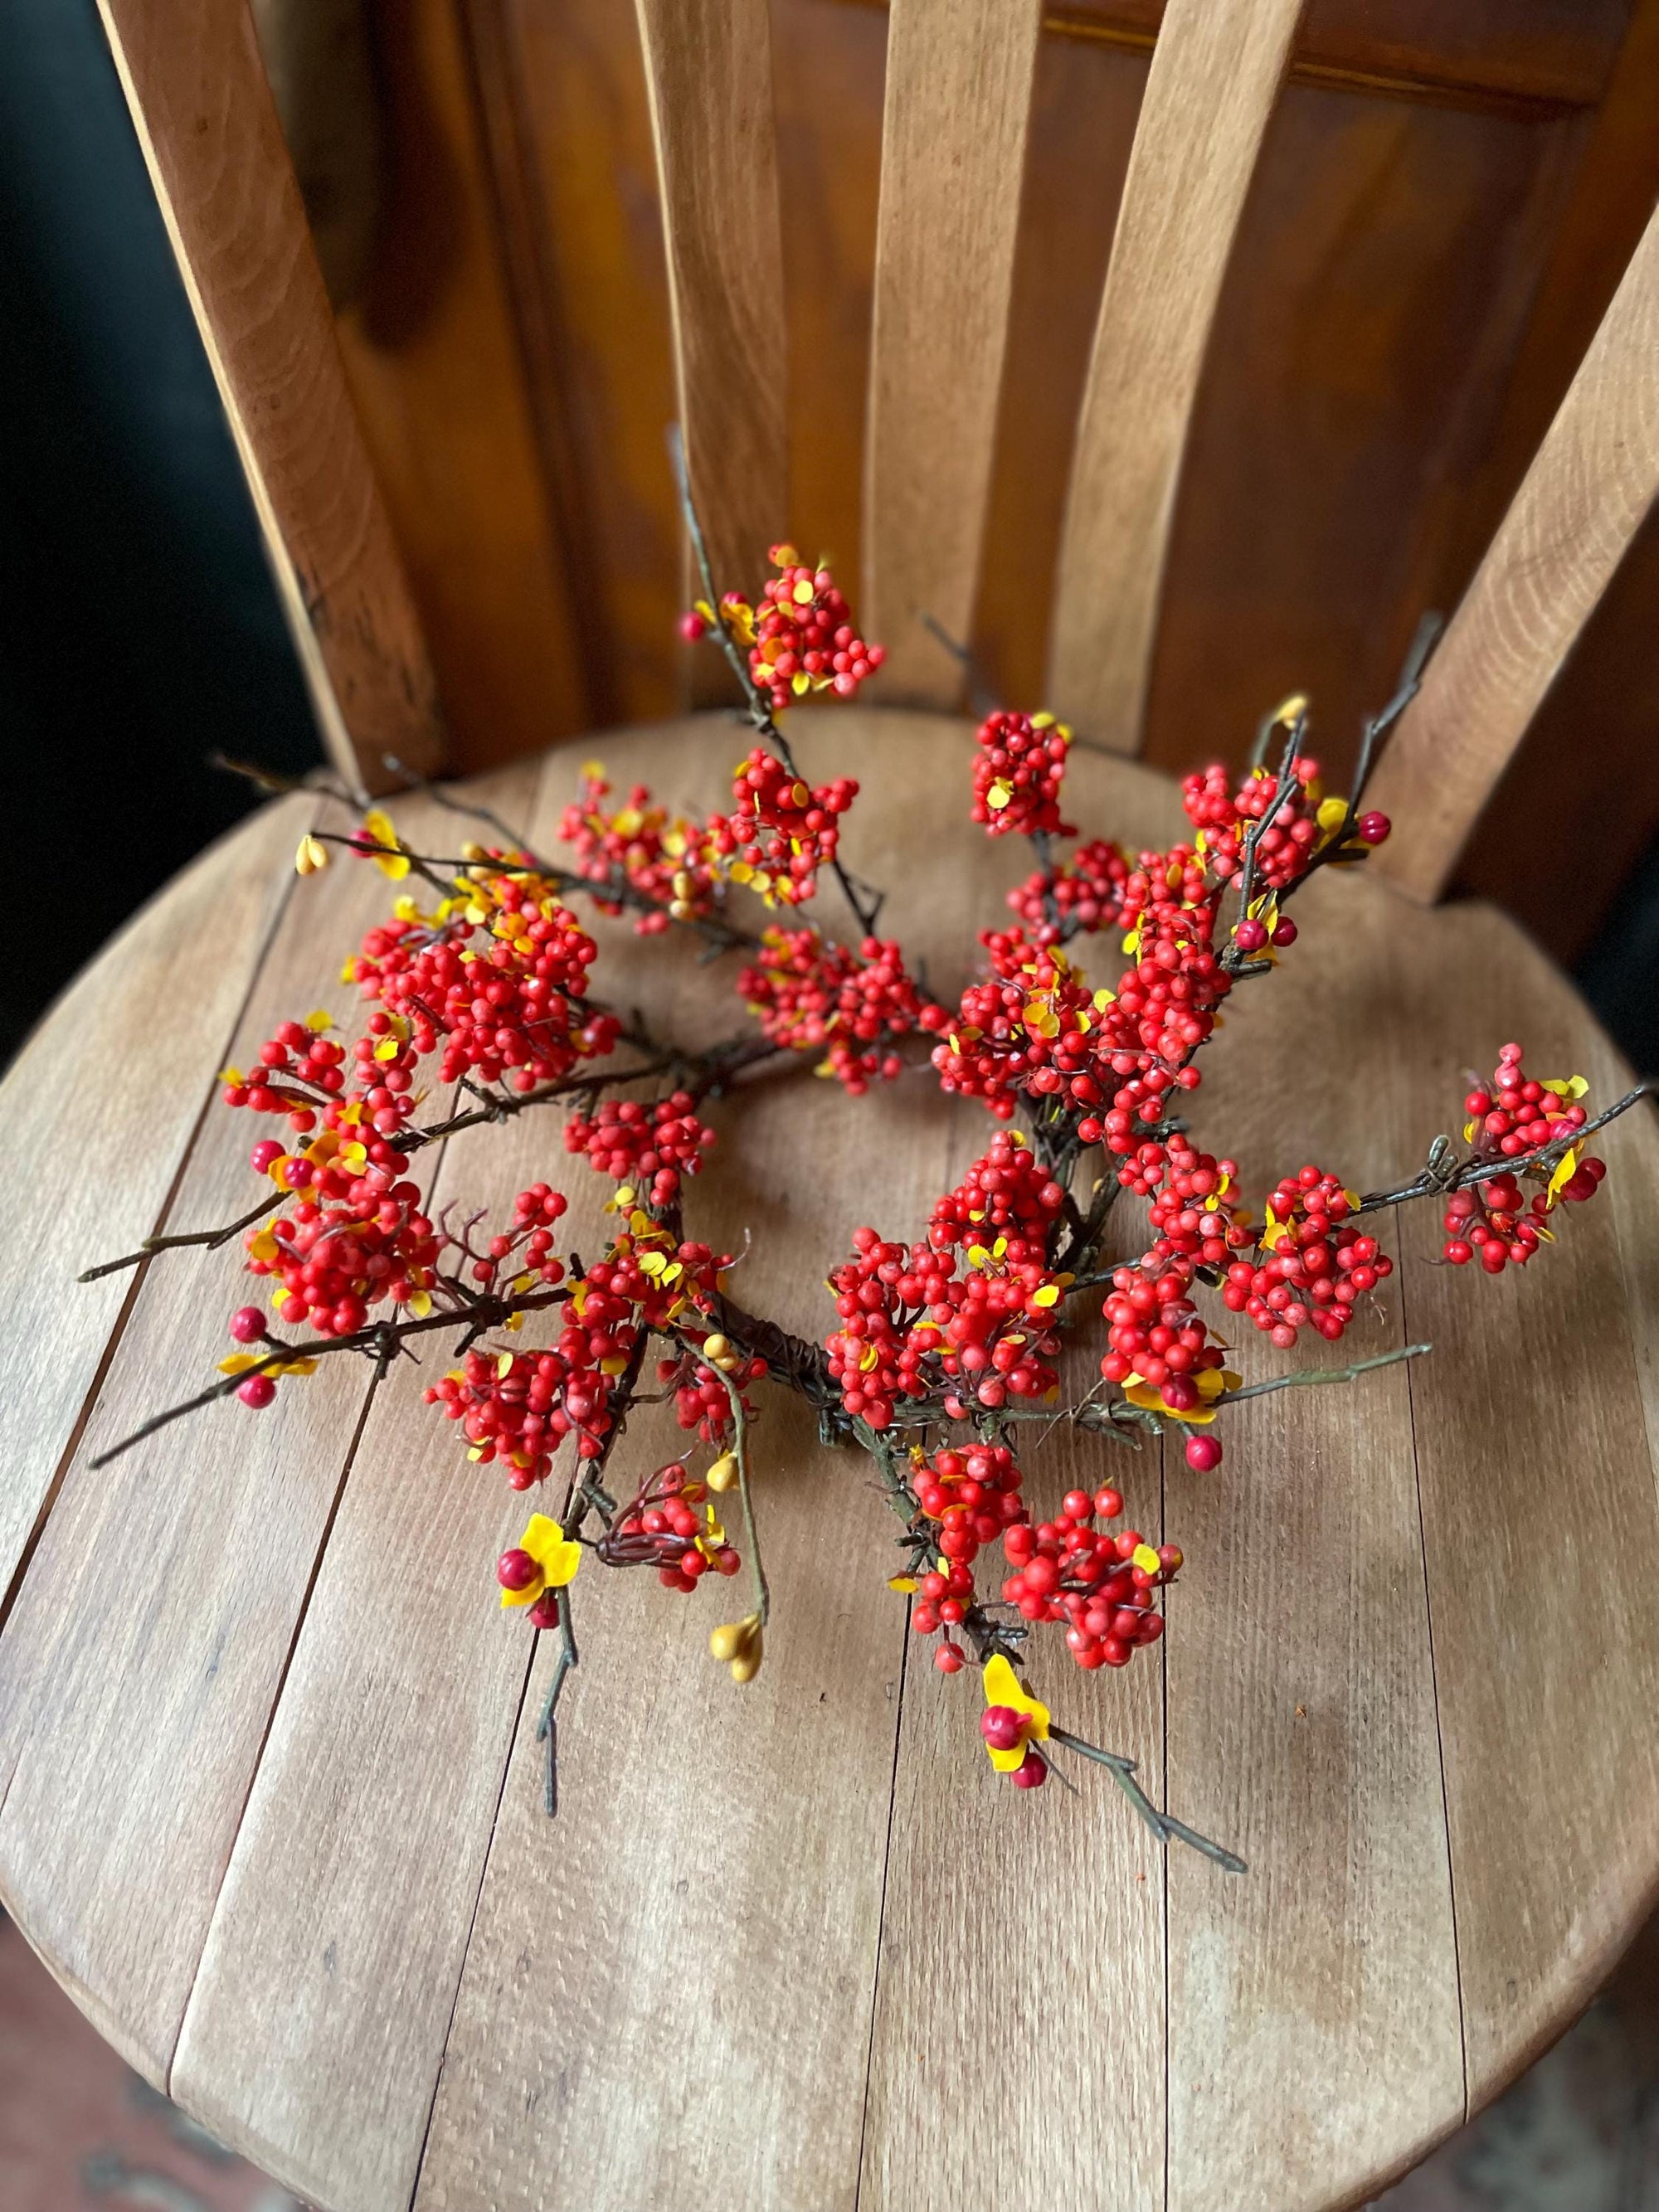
(709, 68)
(956, 112)
(1594, 481)
(1215, 74)
(207, 124)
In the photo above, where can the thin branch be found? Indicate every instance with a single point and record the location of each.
(1304, 1375)
(751, 1535)
(381, 1340)
(1163, 1825)
(210, 1239)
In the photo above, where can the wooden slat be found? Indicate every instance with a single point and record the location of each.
(956, 112)
(1214, 77)
(1022, 1977)
(1302, 1708)
(214, 147)
(377, 1786)
(148, 1004)
(1592, 485)
(142, 1655)
(1534, 1463)
(708, 69)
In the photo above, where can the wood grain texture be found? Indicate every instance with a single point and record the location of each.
(1307, 1638)
(268, 1762)
(1595, 479)
(1533, 1450)
(956, 112)
(452, 421)
(214, 147)
(1214, 78)
(155, 1620)
(146, 1003)
(709, 70)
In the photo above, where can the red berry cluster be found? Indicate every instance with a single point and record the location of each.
(1085, 891)
(1006, 1195)
(911, 1326)
(1225, 818)
(499, 998)
(638, 844)
(300, 1069)
(809, 995)
(702, 1400)
(1493, 1219)
(650, 1141)
(782, 830)
(974, 1495)
(334, 1262)
(801, 636)
(1099, 1583)
(1313, 1263)
(660, 1526)
(1018, 772)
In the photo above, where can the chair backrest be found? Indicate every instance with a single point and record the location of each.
(956, 120)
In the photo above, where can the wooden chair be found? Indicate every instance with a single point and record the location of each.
(269, 1792)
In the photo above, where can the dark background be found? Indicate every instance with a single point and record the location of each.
(139, 631)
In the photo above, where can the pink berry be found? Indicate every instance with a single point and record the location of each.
(1002, 1726)
(1203, 1454)
(248, 1325)
(258, 1390)
(515, 1569)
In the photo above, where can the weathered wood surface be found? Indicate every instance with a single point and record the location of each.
(268, 1789)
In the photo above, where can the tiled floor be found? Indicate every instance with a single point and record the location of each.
(79, 2132)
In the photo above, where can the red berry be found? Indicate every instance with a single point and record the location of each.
(516, 1569)
(1031, 1772)
(258, 1390)
(1203, 1454)
(248, 1325)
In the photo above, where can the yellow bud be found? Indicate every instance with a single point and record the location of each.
(717, 1347)
(733, 1637)
(723, 1474)
(472, 850)
(682, 884)
(678, 910)
(311, 856)
(747, 1665)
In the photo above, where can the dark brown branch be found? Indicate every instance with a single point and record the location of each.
(383, 1340)
(210, 1239)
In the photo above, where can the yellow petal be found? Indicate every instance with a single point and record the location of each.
(1146, 1559)
(905, 1584)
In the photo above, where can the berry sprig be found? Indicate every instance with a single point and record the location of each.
(1018, 767)
(640, 846)
(782, 831)
(810, 995)
(1492, 1220)
(800, 639)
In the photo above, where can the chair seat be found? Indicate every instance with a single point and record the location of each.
(270, 1794)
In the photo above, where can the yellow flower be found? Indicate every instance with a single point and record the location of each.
(1002, 1687)
(378, 826)
(556, 1556)
(1213, 1384)
(312, 855)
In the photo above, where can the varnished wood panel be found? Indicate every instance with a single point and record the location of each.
(1214, 78)
(207, 127)
(438, 379)
(1595, 479)
(958, 103)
